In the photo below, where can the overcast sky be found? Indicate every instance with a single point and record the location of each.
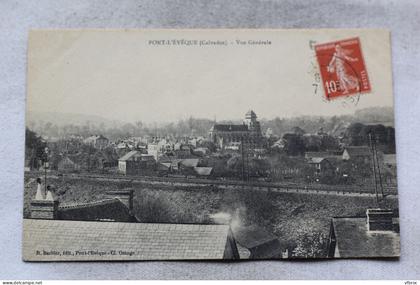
(119, 75)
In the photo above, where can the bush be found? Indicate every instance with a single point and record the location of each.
(311, 245)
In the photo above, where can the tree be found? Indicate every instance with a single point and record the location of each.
(294, 144)
(35, 148)
(208, 144)
(353, 133)
(312, 142)
(234, 165)
(298, 131)
(311, 245)
(329, 143)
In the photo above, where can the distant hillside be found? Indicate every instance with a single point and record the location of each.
(333, 124)
(53, 124)
(63, 119)
(375, 115)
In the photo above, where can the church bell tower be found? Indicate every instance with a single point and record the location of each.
(251, 121)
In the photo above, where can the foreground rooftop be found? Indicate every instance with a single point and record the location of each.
(46, 240)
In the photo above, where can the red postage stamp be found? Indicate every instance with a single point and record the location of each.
(342, 68)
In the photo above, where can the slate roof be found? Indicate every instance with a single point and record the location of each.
(128, 155)
(107, 209)
(203, 149)
(204, 171)
(165, 165)
(66, 163)
(189, 162)
(316, 160)
(358, 151)
(67, 160)
(324, 154)
(142, 241)
(230, 128)
(354, 240)
(260, 243)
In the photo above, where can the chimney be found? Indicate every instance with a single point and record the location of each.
(124, 195)
(44, 208)
(379, 219)
(39, 194)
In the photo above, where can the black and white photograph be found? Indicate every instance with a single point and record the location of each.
(209, 145)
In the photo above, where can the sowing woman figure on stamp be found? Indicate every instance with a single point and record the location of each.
(337, 65)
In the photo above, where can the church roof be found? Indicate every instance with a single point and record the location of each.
(230, 128)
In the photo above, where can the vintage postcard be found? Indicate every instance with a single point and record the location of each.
(209, 145)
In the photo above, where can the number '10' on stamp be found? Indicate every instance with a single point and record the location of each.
(342, 68)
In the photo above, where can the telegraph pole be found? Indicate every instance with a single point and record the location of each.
(243, 159)
(245, 162)
(376, 168)
(46, 150)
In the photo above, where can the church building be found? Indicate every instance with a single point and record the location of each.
(248, 132)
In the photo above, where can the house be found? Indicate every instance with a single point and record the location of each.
(177, 146)
(175, 164)
(321, 165)
(97, 141)
(163, 168)
(377, 235)
(164, 145)
(108, 231)
(255, 243)
(184, 152)
(121, 145)
(193, 142)
(235, 146)
(104, 159)
(186, 166)
(153, 149)
(67, 165)
(203, 171)
(135, 162)
(189, 162)
(201, 151)
(116, 206)
(356, 152)
(279, 145)
(324, 154)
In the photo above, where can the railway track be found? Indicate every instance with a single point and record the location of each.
(359, 191)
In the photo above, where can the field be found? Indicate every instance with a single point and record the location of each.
(300, 221)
